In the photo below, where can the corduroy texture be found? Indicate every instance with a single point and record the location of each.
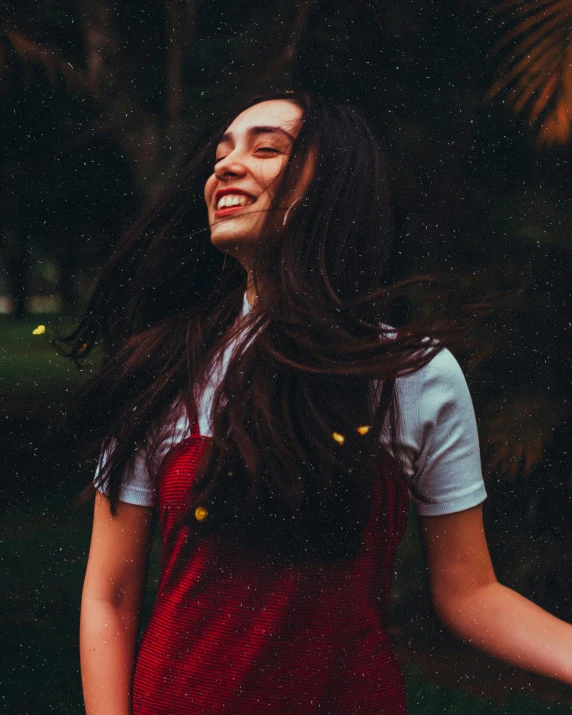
(232, 634)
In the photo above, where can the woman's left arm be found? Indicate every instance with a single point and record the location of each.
(470, 601)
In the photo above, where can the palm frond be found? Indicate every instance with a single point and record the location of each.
(534, 56)
(518, 430)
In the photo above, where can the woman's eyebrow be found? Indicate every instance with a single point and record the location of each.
(255, 131)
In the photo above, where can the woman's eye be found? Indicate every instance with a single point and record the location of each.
(260, 148)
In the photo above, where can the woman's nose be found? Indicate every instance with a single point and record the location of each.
(229, 167)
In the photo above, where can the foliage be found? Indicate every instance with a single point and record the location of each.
(151, 90)
(534, 69)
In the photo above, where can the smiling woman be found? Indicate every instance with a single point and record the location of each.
(250, 159)
(278, 427)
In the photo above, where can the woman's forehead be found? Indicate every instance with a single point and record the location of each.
(275, 112)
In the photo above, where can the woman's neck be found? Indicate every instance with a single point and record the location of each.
(251, 296)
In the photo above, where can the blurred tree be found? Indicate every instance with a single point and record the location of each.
(535, 64)
(139, 81)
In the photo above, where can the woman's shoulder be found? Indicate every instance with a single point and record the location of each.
(138, 485)
(435, 392)
(443, 367)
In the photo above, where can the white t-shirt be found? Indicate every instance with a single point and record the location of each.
(437, 432)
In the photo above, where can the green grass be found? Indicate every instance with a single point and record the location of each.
(45, 549)
(31, 372)
(425, 698)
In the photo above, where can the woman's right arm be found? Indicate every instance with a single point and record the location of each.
(112, 596)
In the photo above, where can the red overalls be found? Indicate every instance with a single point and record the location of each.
(231, 634)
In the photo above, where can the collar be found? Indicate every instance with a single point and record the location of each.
(245, 305)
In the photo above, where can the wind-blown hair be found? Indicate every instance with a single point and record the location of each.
(164, 307)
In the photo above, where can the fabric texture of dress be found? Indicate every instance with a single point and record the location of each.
(233, 634)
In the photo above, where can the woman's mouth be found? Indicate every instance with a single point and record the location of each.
(232, 201)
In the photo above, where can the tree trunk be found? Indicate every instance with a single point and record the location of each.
(16, 244)
(17, 264)
(67, 262)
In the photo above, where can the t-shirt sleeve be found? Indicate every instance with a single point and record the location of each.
(446, 466)
(137, 487)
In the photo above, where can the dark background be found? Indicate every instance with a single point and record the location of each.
(99, 101)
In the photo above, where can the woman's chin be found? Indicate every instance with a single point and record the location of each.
(225, 237)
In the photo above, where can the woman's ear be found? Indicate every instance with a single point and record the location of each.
(288, 209)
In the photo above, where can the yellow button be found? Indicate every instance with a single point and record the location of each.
(200, 513)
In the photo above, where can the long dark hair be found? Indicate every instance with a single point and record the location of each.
(164, 307)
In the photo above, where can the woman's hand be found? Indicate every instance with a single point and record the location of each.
(471, 602)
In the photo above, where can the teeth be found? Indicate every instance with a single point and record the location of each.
(234, 200)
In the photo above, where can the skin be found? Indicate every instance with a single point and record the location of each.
(481, 611)
(253, 163)
(466, 594)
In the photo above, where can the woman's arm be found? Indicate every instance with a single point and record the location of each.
(471, 602)
(111, 601)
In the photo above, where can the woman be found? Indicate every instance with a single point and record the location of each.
(254, 399)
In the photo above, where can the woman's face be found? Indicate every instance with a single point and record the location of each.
(250, 157)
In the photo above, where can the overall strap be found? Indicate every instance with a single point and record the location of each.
(195, 430)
